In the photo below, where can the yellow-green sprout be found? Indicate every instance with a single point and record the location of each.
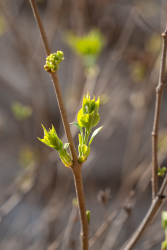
(88, 117)
(51, 140)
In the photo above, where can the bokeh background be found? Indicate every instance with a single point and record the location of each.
(37, 206)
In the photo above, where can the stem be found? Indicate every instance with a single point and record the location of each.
(87, 133)
(159, 90)
(77, 174)
(55, 82)
(76, 168)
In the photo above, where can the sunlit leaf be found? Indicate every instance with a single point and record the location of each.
(94, 134)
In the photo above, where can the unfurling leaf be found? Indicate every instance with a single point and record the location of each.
(88, 116)
(51, 139)
(94, 134)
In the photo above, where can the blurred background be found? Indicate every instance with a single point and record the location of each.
(112, 49)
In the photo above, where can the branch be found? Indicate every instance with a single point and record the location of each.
(159, 90)
(77, 167)
(156, 203)
(77, 174)
(157, 198)
(55, 82)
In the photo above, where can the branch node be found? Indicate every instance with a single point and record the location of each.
(161, 196)
(83, 235)
(153, 133)
(159, 87)
(164, 33)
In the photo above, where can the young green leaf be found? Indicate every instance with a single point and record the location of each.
(94, 134)
(78, 126)
(51, 139)
(88, 116)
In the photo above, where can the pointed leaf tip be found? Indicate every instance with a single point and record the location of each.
(78, 126)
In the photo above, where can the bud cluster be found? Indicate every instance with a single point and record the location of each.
(53, 61)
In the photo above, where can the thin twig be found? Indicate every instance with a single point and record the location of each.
(76, 168)
(55, 82)
(157, 198)
(159, 90)
(113, 234)
(57, 242)
(69, 227)
(164, 183)
(103, 227)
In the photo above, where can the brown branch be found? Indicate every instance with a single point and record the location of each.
(157, 199)
(77, 174)
(55, 82)
(156, 203)
(76, 168)
(159, 90)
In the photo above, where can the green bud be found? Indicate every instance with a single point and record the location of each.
(60, 54)
(161, 171)
(82, 159)
(85, 151)
(51, 140)
(88, 215)
(88, 116)
(53, 61)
